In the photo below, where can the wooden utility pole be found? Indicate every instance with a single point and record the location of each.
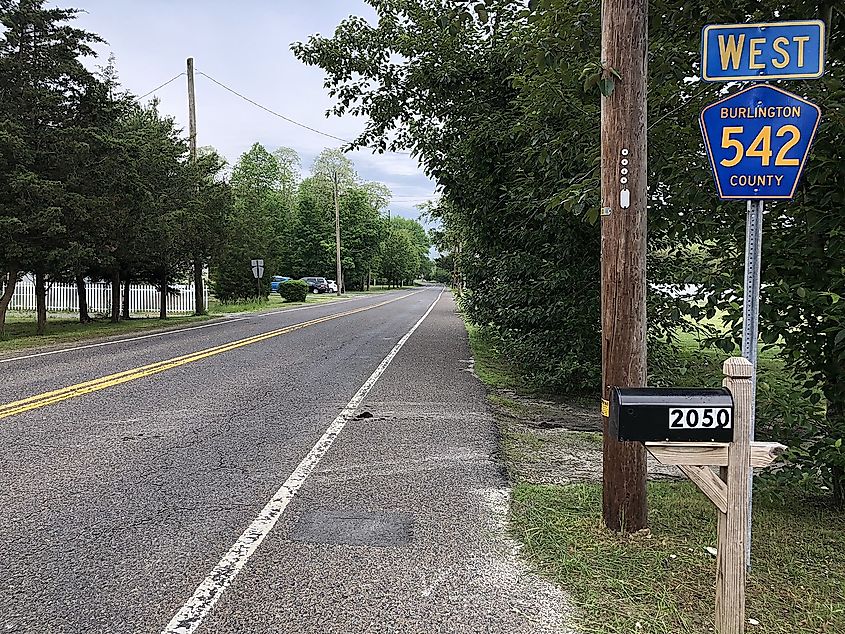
(337, 234)
(199, 290)
(623, 247)
(192, 111)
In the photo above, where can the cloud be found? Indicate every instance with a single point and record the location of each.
(249, 51)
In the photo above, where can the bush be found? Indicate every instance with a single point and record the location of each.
(232, 279)
(293, 290)
(441, 275)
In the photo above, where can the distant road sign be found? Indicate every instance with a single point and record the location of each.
(258, 269)
(769, 50)
(758, 140)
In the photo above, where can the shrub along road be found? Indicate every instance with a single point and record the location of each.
(321, 470)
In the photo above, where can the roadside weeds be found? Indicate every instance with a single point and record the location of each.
(661, 580)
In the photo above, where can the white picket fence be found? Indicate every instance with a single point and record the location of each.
(143, 298)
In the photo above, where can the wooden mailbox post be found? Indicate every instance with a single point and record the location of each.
(728, 490)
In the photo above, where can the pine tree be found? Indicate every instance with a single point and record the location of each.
(42, 83)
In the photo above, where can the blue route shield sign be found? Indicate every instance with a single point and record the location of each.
(758, 141)
(768, 50)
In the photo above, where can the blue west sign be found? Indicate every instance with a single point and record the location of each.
(769, 50)
(758, 140)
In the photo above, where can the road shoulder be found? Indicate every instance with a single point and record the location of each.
(404, 521)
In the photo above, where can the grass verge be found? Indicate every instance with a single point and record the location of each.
(65, 328)
(490, 366)
(275, 301)
(663, 582)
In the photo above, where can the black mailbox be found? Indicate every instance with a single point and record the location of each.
(651, 414)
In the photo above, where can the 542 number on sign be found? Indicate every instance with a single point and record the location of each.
(700, 418)
(761, 146)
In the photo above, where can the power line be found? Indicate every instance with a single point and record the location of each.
(281, 116)
(258, 105)
(169, 81)
(272, 112)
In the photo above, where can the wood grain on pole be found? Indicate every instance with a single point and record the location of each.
(623, 245)
(199, 290)
(730, 560)
(192, 111)
(339, 271)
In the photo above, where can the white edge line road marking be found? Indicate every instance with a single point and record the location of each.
(191, 615)
(223, 321)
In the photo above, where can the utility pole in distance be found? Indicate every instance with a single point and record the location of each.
(199, 291)
(192, 111)
(337, 234)
(623, 248)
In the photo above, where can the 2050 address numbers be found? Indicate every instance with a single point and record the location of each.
(700, 418)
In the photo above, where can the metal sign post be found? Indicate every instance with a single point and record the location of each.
(757, 141)
(750, 323)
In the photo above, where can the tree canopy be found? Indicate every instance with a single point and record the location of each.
(95, 186)
(500, 102)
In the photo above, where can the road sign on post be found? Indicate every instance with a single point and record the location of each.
(757, 141)
(767, 50)
(258, 273)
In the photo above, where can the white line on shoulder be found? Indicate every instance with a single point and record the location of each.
(191, 615)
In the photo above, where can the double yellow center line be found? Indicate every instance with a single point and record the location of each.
(81, 389)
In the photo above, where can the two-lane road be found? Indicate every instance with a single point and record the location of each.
(318, 470)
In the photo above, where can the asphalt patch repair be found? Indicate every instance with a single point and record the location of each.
(354, 528)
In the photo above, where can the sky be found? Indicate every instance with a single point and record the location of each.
(246, 46)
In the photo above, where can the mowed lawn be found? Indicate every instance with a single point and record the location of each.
(662, 581)
(20, 332)
(65, 328)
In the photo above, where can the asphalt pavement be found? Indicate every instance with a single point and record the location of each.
(313, 471)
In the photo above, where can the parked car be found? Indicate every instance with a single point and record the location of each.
(316, 284)
(275, 281)
(332, 286)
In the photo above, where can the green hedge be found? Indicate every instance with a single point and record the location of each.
(293, 290)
